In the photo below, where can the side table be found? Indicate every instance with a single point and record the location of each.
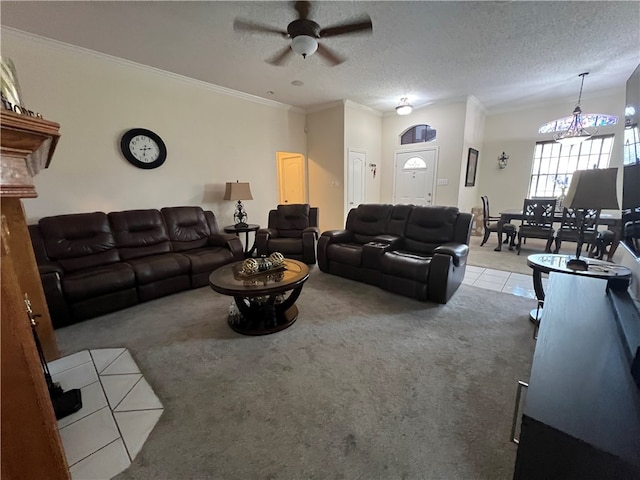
(547, 263)
(252, 227)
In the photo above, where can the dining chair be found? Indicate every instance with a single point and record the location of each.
(537, 221)
(490, 225)
(570, 226)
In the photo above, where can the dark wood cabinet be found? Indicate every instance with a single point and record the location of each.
(581, 417)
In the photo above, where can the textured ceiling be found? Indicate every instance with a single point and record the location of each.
(507, 54)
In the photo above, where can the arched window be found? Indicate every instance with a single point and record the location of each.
(413, 163)
(418, 134)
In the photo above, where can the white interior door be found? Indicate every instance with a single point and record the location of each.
(292, 178)
(415, 175)
(356, 169)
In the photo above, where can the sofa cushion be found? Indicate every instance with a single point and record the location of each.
(79, 241)
(291, 220)
(286, 245)
(139, 233)
(158, 267)
(367, 221)
(187, 227)
(429, 227)
(94, 282)
(347, 253)
(208, 259)
(404, 264)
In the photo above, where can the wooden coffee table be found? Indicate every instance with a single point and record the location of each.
(266, 301)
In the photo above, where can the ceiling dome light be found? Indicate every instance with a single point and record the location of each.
(304, 45)
(404, 108)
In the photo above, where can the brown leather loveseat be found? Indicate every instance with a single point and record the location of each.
(417, 251)
(94, 263)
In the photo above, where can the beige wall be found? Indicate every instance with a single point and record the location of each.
(516, 133)
(325, 147)
(472, 138)
(212, 137)
(448, 119)
(363, 131)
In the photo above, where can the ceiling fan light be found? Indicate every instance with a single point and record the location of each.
(304, 45)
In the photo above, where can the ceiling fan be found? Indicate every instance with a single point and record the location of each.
(305, 33)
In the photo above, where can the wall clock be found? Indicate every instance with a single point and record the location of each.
(143, 148)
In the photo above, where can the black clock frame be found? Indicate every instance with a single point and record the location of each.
(124, 147)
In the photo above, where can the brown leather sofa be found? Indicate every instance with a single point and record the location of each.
(292, 230)
(417, 251)
(94, 263)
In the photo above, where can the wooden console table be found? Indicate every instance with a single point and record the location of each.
(581, 418)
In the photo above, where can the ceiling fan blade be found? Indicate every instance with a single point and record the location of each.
(244, 26)
(360, 25)
(329, 55)
(279, 58)
(303, 9)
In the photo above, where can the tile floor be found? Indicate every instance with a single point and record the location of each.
(119, 410)
(500, 281)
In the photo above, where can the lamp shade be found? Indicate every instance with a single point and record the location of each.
(237, 191)
(595, 189)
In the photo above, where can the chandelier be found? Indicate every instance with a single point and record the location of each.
(576, 133)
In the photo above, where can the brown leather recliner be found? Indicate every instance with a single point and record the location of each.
(417, 251)
(292, 230)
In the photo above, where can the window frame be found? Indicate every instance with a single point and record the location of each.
(549, 154)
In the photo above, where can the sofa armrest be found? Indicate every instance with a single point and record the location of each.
(227, 240)
(268, 232)
(458, 251)
(334, 236)
(327, 238)
(314, 230)
(263, 236)
(50, 267)
(52, 287)
(392, 241)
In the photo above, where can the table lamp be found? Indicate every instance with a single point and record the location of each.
(238, 191)
(590, 189)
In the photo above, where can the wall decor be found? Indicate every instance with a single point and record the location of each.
(472, 165)
(143, 148)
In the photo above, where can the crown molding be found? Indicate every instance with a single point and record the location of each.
(153, 70)
(358, 106)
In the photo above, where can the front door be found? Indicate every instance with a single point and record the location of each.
(415, 174)
(292, 178)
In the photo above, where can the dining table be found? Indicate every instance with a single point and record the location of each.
(613, 222)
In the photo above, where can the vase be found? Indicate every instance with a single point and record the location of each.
(560, 200)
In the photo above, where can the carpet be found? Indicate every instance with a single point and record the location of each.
(365, 385)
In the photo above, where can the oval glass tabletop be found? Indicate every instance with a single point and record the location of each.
(229, 280)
